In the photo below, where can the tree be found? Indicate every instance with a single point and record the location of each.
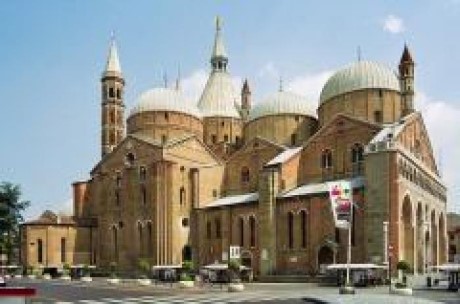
(11, 207)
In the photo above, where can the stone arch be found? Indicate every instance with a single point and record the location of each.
(407, 231)
(442, 239)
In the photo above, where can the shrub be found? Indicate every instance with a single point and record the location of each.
(404, 266)
(144, 266)
(400, 285)
(66, 269)
(187, 266)
(186, 277)
(234, 270)
(86, 270)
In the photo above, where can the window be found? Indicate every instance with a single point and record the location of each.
(164, 139)
(214, 193)
(290, 222)
(111, 93)
(185, 222)
(326, 159)
(166, 116)
(104, 92)
(142, 174)
(129, 159)
(118, 180)
(213, 138)
(218, 228)
(63, 251)
(149, 242)
(112, 116)
(139, 230)
(208, 230)
(297, 118)
(182, 196)
(380, 93)
(237, 140)
(293, 139)
(252, 231)
(226, 138)
(222, 124)
(357, 153)
(378, 116)
(337, 235)
(241, 230)
(39, 251)
(117, 197)
(144, 194)
(118, 93)
(112, 138)
(115, 241)
(245, 175)
(303, 227)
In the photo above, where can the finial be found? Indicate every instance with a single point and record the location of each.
(218, 23)
(112, 35)
(281, 84)
(178, 78)
(359, 53)
(165, 79)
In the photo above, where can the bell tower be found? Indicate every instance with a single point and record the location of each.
(406, 77)
(112, 91)
(245, 100)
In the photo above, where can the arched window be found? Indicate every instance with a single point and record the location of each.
(129, 159)
(139, 230)
(218, 228)
(40, 251)
(326, 159)
(303, 227)
(111, 93)
(115, 242)
(63, 250)
(290, 222)
(182, 195)
(143, 195)
(149, 241)
(241, 230)
(245, 174)
(208, 230)
(252, 231)
(142, 174)
(357, 153)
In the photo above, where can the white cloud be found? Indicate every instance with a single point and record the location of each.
(269, 71)
(309, 85)
(441, 118)
(393, 24)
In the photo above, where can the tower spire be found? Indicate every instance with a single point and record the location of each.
(407, 80)
(219, 58)
(113, 62)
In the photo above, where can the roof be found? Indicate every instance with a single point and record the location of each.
(234, 200)
(391, 130)
(164, 99)
(308, 189)
(406, 56)
(113, 63)
(50, 218)
(219, 97)
(284, 156)
(283, 103)
(358, 76)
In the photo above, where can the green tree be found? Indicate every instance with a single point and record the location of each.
(11, 208)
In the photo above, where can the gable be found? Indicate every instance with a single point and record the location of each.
(190, 149)
(414, 137)
(142, 150)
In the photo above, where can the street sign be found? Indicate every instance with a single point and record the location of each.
(235, 252)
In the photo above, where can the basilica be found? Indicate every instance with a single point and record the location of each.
(182, 179)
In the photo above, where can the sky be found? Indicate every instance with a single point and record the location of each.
(52, 54)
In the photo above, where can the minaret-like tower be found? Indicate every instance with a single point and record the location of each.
(245, 100)
(406, 77)
(112, 88)
(219, 58)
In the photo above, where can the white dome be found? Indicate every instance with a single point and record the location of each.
(219, 97)
(282, 103)
(358, 76)
(164, 99)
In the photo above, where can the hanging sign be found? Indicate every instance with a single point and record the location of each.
(341, 197)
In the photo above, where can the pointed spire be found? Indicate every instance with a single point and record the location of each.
(245, 88)
(406, 56)
(219, 48)
(281, 89)
(178, 79)
(113, 63)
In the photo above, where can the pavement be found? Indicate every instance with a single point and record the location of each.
(99, 291)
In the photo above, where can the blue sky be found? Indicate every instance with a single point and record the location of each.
(52, 54)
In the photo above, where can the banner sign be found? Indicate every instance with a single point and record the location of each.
(341, 197)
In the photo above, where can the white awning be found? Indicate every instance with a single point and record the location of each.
(447, 267)
(222, 267)
(355, 266)
(284, 156)
(159, 267)
(234, 200)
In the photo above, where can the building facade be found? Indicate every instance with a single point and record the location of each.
(190, 179)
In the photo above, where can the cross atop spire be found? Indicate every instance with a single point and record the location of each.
(113, 63)
(219, 57)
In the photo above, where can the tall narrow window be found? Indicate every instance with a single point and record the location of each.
(149, 241)
(326, 159)
(357, 153)
(63, 250)
(142, 174)
(245, 175)
(293, 139)
(213, 139)
(141, 243)
(378, 116)
(241, 229)
(182, 196)
(303, 227)
(164, 139)
(115, 242)
(39, 251)
(144, 194)
(118, 93)
(218, 228)
(290, 222)
(208, 230)
(252, 231)
(226, 138)
(111, 93)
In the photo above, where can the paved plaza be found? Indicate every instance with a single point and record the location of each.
(99, 291)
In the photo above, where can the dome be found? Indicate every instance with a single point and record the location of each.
(164, 99)
(360, 75)
(219, 97)
(282, 103)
